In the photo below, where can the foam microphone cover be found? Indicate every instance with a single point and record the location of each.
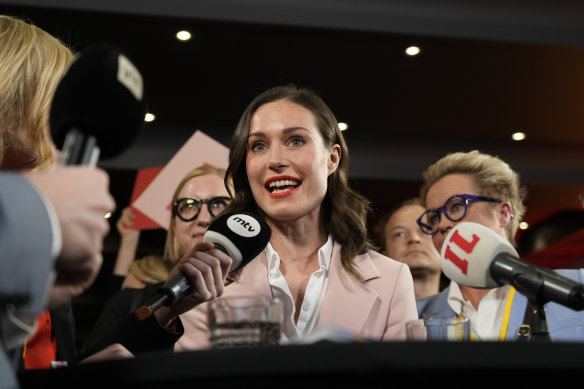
(102, 94)
(241, 235)
(467, 253)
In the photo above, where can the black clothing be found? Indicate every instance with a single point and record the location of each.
(116, 324)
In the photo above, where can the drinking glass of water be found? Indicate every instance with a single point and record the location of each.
(245, 321)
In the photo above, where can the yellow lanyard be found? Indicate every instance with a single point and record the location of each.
(506, 316)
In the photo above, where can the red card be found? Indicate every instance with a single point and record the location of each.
(143, 180)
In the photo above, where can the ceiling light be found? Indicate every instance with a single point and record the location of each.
(149, 117)
(413, 50)
(183, 35)
(518, 136)
(523, 225)
(343, 126)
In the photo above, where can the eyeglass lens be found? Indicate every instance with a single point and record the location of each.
(189, 208)
(455, 209)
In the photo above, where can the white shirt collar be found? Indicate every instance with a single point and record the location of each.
(456, 301)
(486, 321)
(324, 255)
(313, 296)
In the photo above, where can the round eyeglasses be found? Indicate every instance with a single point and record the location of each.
(454, 208)
(188, 208)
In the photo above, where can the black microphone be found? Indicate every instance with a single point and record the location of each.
(537, 283)
(476, 256)
(242, 236)
(98, 107)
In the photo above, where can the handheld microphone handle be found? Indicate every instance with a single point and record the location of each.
(175, 288)
(79, 149)
(166, 295)
(155, 302)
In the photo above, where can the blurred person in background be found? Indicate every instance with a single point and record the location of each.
(401, 239)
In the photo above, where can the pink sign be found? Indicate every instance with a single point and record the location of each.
(199, 149)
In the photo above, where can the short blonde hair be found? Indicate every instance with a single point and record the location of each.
(32, 62)
(492, 176)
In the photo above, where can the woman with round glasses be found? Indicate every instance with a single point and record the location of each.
(197, 200)
(480, 188)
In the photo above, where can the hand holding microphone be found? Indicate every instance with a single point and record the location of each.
(98, 106)
(79, 196)
(231, 242)
(476, 256)
(198, 277)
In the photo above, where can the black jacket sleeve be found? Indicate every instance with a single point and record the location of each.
(116, 324)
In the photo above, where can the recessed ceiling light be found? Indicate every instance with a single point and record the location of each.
(518, 136)
(149, 117)
(413, 50)
(343, 126)
(183, 35)
(523, 225)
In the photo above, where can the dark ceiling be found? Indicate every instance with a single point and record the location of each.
(484, 72)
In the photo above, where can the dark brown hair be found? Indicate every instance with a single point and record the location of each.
(344, 210)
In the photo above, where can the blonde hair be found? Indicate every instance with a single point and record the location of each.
(151, 269)
(172, 251)
(492, 176)
(32, 62)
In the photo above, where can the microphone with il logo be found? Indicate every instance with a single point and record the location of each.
(241, 235)
(476, 256)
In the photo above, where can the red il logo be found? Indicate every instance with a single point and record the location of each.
(464, 245)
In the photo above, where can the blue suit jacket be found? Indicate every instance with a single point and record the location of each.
(26, 240)
(564, 324)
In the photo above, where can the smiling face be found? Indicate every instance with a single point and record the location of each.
(406, 243)
(287, 162)
(207, 186)
(494, 216)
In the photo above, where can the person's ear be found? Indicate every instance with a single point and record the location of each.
(505, 213)
(334, 158)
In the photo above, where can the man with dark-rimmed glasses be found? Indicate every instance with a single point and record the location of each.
(480, 188)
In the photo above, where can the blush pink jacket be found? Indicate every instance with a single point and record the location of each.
(376, 308)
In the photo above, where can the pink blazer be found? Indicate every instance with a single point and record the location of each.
(375, 309)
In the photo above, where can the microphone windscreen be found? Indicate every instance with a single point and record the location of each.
(242, 235)
(467, 253)
(102, 94)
